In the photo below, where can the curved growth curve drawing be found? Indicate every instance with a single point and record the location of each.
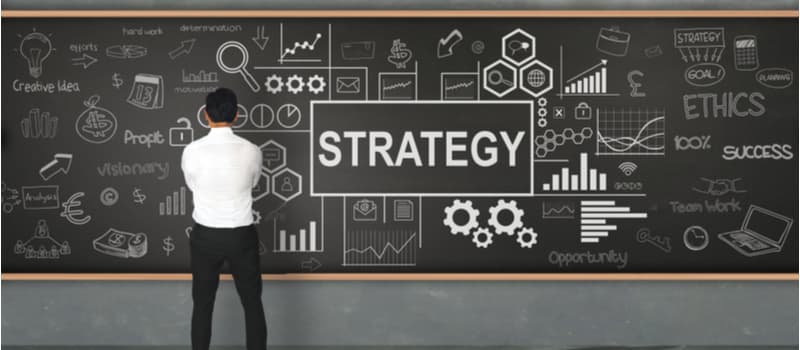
(630, 133)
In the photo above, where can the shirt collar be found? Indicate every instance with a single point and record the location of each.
(223, 130)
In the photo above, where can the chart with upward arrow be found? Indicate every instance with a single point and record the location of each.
(593, 81)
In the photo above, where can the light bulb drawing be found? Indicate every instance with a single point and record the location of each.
(35, 48)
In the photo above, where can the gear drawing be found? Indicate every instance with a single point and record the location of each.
(482, 242)
(450, 212)
(510, 206)
(542, 123)
(526, 237)
(256, 217)
(318, 81)
(542, 102)
(274, 84)
(294, 84)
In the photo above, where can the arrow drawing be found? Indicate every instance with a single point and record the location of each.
(445, 47)
(84, 61)
(602, 63)
(184, 49)
(310, 265)
(260, 39)
(60, 164)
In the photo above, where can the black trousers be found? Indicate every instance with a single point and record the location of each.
(209, 248)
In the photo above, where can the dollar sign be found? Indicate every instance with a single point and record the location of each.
(168, 245)
(634, 84)
(116, 81)
(400, 54)
(138, 196)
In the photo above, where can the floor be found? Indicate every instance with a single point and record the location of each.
(407, 348)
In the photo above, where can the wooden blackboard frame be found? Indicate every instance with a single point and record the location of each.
(414, 14)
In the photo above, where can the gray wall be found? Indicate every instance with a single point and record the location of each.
(410, 313)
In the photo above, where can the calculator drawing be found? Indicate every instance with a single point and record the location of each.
(745, 52)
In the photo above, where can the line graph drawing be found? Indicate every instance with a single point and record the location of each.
(297, 47)
(456, 86)
(304, 46)
(558, 210)
(397, 86)
(629, 131)
(367, 247)
(459, 85)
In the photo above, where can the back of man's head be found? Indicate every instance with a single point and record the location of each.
(221, 105)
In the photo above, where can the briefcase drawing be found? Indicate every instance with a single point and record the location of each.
(613, 41)
(358, 50)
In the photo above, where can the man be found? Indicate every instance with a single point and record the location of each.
(220, 169)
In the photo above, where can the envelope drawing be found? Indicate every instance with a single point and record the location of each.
(348, 85)
(365, 210)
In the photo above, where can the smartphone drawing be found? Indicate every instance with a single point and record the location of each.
(745, 52)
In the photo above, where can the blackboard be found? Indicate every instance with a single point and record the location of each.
(483, 145)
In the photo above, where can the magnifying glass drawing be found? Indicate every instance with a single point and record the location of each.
(241, 67)
(495, 77)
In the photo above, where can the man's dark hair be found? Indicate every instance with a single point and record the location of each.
(221, 105)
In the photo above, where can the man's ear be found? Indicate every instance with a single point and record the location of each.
(208, 119)
(235, 116)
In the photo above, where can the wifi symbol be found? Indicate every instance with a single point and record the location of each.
(627, 168)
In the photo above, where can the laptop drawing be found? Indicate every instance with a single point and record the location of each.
(762, 232)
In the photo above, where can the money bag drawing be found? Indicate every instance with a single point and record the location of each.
(95, 124)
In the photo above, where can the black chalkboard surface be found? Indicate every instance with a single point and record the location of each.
(410, 145)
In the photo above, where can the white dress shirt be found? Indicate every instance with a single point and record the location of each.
(221, 169)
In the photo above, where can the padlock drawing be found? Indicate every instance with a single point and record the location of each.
(583, 111)
(183, 135)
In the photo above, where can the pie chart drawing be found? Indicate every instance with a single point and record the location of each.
(289, 116)
(262, 116)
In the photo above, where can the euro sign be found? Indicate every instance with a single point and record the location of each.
(72, 212)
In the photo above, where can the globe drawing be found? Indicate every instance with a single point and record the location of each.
(536, 78)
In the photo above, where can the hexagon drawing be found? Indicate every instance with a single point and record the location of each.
(536, 78)
(262, 189)
(273, 156)
(283, 185)
(495, 78)
(519, 47)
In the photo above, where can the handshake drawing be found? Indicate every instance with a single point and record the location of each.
(39, 125)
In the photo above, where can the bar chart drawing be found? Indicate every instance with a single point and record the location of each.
(306, 241)
(629, 131)
(174, 204)
(595, 215)
(586, 180)
(591, 82)
(383, 247)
